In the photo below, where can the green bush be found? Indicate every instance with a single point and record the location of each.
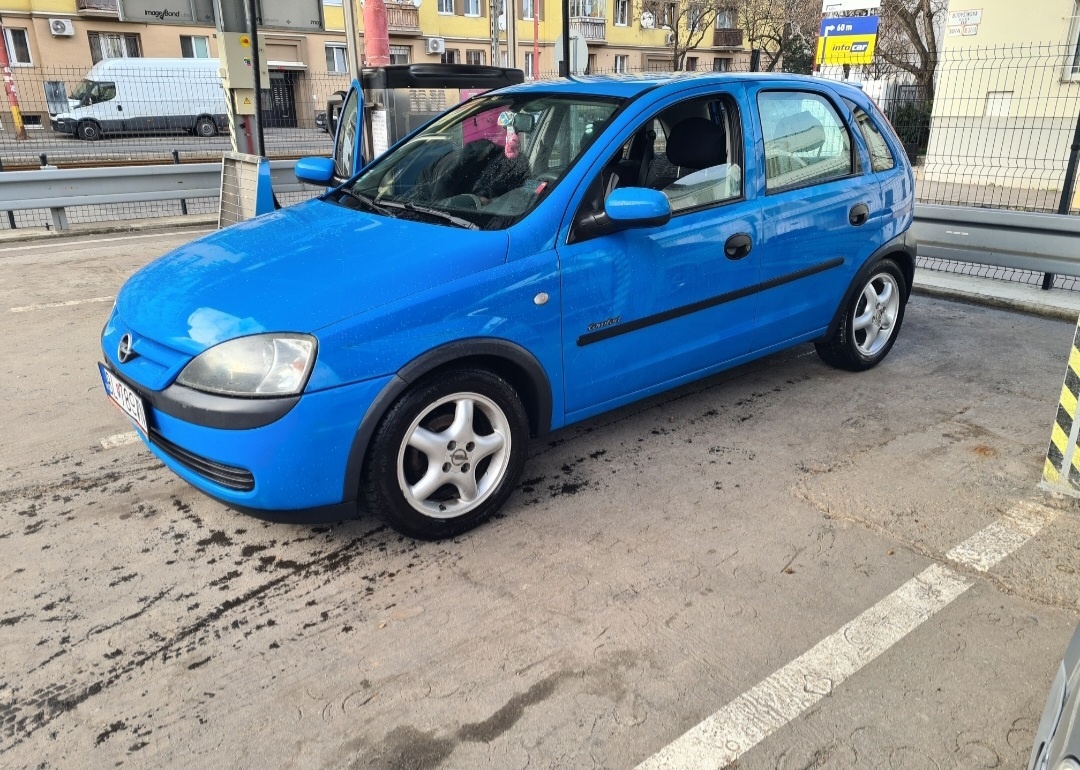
(912, 122)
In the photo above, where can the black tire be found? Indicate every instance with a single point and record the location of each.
(391, 463)
(844, 349)
(89, 131)
(205, 127)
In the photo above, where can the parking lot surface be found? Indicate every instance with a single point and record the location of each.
(660, 567)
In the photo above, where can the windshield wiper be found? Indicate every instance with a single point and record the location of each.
(368, 203)
(458, 221)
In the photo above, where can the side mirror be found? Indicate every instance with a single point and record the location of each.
(319, 171)
(333, 108)
(625, 209)
(637, 207)
(524, 122)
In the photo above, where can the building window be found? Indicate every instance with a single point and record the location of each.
(475, 57)
(721, 65)
(449, 56)
(590, 68)
(622, 63)
(593, 9)
(111, 45)
(446, 6)
(400, 54)
(725, 19)
(1076, 54)
(622, 13)
(671, 14)
(18, 47)
(472, 7)
(527, 9)
(691, 63)
(335, 58)
(194, 47)
(528, 65)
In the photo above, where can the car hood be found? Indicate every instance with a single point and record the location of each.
(298, 269)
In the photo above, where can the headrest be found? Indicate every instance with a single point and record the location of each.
(697, 143)
(798, 133)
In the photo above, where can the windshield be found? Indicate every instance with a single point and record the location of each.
(483, 165)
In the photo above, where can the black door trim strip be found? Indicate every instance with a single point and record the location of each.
(704, 304)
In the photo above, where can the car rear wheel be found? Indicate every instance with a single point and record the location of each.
(205, 127)
(89, 131)
(871, 321)
(448, 454)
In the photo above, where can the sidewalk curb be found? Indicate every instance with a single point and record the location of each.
(131, 226)
(1004, 303)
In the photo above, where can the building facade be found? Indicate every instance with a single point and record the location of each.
(57, 41)
(1007, 99)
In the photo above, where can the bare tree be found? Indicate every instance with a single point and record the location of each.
(687, 22)
(775, 26)
(908, 38)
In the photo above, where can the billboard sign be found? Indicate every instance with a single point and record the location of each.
(847, 40)
(304, 15)
(157, 11)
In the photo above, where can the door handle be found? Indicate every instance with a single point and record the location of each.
(858, 215)
(119, 108)
(738, 246)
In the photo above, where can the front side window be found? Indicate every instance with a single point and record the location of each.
(335, 58)
(691, 151)
(805, 140)
(483, 165)
(18, 46)
(345, 144)
(94, 91)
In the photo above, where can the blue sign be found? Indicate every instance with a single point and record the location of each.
(855, 25)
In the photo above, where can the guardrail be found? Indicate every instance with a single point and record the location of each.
(56, 189)
(1042, 243)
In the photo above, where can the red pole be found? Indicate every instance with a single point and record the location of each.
(536, 39)
(9, 88)
(376, 34)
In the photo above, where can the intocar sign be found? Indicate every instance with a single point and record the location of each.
(847, 40)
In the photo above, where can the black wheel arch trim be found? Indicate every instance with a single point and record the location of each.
(902, 249)
(458, 350)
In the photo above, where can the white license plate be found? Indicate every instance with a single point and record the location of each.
(124, 397)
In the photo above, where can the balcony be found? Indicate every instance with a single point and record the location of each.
(402, 19)
(96, 6)
(594, 30)
(727, 38)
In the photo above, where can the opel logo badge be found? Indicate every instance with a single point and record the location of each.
(124, 351)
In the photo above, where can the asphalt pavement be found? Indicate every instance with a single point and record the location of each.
(784, 566)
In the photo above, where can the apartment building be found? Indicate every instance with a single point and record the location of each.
(52, 41)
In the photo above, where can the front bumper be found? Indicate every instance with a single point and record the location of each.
(63, 125)
(294, 464)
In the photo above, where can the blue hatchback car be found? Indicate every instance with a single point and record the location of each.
(535, 256)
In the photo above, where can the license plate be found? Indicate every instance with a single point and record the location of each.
(124, 397)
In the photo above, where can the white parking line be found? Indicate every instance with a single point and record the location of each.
(51, 244)
(120, 439)
(744, 722)
(70, 302)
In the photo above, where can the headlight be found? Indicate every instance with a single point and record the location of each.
(1068, 764)
(259, 365)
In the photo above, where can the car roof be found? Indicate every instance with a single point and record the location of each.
(629, 86)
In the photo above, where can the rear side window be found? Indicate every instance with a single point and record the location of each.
(881, 158)
(805, 140)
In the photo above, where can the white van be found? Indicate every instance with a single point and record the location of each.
(146, 96)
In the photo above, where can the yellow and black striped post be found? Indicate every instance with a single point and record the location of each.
(1061, 471)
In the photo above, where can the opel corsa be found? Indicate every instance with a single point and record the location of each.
(533, 257)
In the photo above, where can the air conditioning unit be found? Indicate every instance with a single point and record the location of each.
(670, 39)
(61, 27)
(436, 45)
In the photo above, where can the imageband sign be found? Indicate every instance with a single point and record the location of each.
(273, 14)
(848, 40)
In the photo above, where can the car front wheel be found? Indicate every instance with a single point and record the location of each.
(448, 454)
(871, 321)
